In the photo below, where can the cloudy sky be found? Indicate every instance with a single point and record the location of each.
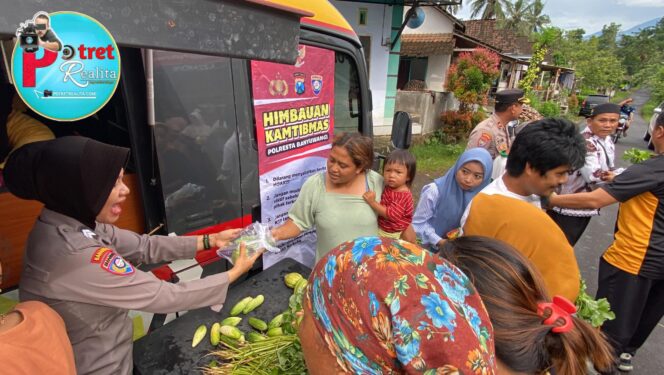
(590, 15)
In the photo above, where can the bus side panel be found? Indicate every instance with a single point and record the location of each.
(248, 155)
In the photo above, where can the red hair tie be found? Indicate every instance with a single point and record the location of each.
(561, 308)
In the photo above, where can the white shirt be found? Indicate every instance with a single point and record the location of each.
(426, 208)
(498, 187)
(600, 156)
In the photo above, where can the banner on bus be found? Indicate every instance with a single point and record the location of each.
(293, 108)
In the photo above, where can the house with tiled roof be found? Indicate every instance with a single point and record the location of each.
(408, 66)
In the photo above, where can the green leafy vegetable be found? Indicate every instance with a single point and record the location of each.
(635, 155)
(595, 312)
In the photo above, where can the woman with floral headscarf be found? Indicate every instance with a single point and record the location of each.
(384, 306)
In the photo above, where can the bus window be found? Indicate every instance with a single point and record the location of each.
(196, 140)
(347, 98)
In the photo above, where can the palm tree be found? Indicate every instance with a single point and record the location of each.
(488, 9)
(515, 15)
(535, 18)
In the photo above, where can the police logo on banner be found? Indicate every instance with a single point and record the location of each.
(299, 83)
(316, 83)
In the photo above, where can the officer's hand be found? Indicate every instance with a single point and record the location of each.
(607, 176)
(243, 263)
(222, 238)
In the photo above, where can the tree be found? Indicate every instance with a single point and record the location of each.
(488, 9)
(535, 19)
(515, 15)
(598, 65)
(543, 41)
(608, 37)
(470, 78)
(642, 54)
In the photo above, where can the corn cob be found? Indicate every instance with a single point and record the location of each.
(253, 304)
(199, 335)
(258, 324)
(240, 306)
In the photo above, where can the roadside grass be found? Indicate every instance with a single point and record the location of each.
(648, 107)
(434, 157)
(622, 95)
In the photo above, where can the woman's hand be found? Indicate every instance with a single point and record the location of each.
(222, 238)
(243, 263)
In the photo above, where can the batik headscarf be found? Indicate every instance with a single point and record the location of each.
(386, 306)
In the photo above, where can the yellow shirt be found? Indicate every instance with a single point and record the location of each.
(532, 232)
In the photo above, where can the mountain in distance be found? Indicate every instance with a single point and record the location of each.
(633, 30)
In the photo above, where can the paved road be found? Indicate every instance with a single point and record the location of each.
(599, 235)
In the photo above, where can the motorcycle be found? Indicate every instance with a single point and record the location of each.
(623, 123)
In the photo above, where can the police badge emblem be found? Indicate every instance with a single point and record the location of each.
(278, 86)
(316, 83)
(299, 83)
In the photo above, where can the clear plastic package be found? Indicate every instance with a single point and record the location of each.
(255, 237)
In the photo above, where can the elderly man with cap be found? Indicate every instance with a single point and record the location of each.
(492, 133)
(599, 169)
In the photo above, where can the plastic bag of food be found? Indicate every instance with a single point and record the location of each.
(255, 237)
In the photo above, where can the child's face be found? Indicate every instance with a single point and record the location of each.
(470, 175)
(396, 175)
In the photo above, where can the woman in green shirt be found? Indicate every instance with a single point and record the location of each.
(332, 201)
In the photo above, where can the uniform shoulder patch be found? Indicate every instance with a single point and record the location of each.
(111, 262)
(590, 146)
(484, 139)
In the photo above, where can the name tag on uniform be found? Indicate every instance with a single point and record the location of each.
(111, 262)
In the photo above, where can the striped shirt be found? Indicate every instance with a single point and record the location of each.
(400, 207)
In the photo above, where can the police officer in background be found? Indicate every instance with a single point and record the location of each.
(82, 266)
(493, 133)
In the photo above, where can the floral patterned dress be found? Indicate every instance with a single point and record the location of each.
(386, 306)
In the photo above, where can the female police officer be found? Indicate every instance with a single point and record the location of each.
(81, 265)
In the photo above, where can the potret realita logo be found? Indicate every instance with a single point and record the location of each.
(65, 65)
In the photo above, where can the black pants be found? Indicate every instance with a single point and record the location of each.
(572, 226)
(638, 303)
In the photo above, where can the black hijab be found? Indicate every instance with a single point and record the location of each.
(70, 175)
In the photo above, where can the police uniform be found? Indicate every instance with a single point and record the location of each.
(492, 134)
(90, 279)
